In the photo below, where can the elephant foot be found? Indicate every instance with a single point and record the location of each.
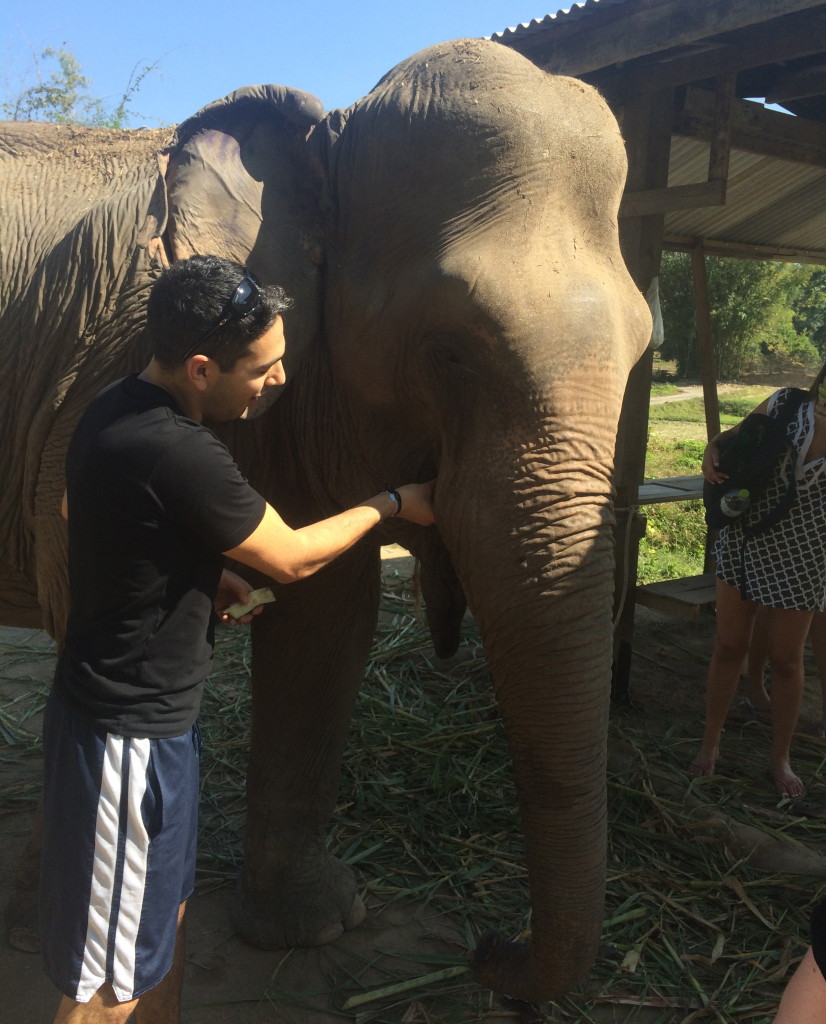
(313, 909)
(22, 927)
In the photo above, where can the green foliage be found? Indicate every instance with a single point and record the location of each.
(690, 410)
(782, 345)
(63, 96)
(809, 305)
(687, 456)
(659, 457)
(752, 313)
(674, 542)
(735, 408)
(663, 388)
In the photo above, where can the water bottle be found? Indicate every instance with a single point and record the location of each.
(734, 503)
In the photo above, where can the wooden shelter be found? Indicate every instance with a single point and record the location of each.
(711, 171)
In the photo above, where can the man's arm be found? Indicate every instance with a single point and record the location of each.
(804, 1001)
(288, 555)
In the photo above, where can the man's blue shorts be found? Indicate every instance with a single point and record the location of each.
(120, 822)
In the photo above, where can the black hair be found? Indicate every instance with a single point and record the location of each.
(190, 298)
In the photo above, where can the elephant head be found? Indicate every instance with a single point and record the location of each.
(462, 309)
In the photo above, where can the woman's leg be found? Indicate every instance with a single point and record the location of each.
(731, 643)
(817, 636)
(787, 634)
(755, 689)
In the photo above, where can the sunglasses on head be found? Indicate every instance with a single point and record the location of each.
(243, 301)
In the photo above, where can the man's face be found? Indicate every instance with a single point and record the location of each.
(240, 392)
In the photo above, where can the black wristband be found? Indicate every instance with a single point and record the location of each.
(397, 498)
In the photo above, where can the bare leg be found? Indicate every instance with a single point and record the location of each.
(734, 624)
(787, 635)
(817, 636)
(160, 1005)
(755, 689)
(102, 1008)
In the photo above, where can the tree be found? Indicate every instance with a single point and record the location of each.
(751, 314)
(809, 307)
(63, 96)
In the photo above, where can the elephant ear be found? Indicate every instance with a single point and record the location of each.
(242, 183)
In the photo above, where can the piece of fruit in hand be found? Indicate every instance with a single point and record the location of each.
(262, 596)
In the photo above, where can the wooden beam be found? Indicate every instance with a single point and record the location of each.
(720, 149)
(628, 31)
(678, 197)
(708, 193)
(754, 129)
(741, 250)
(684, 598)
(795, 35)
(811, 82)
(646, 127)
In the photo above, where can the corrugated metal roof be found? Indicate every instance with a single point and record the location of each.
(770, 203)
(568, 14)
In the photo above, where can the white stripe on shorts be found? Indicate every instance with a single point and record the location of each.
(102, 897)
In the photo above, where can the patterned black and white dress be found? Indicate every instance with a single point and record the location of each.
(785, 567)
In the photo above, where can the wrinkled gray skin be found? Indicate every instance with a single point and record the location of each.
(462, 308)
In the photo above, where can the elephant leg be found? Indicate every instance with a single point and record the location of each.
(18, 600)
(308, 663)
(23, 908)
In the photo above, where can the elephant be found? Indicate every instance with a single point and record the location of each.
(461, 310)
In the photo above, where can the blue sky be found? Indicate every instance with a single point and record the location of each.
(335, 50)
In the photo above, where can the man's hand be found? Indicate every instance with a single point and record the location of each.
(417, 503)
(233, 589)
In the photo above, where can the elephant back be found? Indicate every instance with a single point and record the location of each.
(82, 211)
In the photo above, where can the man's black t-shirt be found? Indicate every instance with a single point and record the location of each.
(154, 498)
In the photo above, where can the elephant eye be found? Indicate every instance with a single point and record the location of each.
(447, 349)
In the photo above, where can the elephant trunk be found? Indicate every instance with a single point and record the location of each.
(540, 589)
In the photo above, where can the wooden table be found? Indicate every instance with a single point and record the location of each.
(684, 597)
(671, 488)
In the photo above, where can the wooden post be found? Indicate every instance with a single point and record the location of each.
(719, 151)
(646, 124)
(708, 373)
(705, 340)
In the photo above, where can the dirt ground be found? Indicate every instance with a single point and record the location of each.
(230, 982)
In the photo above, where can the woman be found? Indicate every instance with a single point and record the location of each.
(783, 570)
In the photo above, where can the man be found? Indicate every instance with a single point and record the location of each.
(154, 503)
